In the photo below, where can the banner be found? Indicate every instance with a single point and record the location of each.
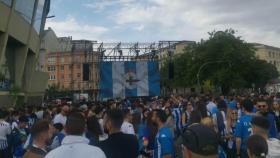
(129, 79)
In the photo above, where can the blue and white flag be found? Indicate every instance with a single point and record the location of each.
(129, 79)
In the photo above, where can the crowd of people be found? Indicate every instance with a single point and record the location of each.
(173, 127)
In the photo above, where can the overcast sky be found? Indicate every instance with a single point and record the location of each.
(154, 20)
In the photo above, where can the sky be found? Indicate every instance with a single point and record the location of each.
(154, 20)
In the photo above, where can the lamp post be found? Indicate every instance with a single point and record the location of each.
(202, 66)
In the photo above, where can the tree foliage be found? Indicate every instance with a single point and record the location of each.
(223, 60)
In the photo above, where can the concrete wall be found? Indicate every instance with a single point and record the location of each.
(19, 46)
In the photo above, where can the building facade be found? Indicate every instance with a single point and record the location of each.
(74, 70)
(268, 53)
(176, 49)
(21, 26)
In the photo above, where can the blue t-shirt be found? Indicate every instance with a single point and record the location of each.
(164, 143)
(244, 129)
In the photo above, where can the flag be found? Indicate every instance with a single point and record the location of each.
(129, 79)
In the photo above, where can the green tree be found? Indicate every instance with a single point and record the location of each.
(14, 93)
(52, 91)
(224, 60)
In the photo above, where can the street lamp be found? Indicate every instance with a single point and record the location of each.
(202, 66)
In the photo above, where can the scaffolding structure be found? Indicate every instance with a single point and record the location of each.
(95, 53)
(132, 51)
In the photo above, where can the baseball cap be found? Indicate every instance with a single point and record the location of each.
(201, 140)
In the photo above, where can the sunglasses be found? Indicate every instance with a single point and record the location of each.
(234, 113)
(262, 106)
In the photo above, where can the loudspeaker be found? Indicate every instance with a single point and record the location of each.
(85, 72)
(170, 70)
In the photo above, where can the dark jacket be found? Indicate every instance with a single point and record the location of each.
(120, 145)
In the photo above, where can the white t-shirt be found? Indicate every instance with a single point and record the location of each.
(273, 148)
(76, 147)
(210, 106)
(14, 125)
(5, 129)
(127, 128)
(59, 118)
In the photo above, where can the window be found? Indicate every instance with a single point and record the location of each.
(51, 60)
(8, 2)
(25, 9)
(52, 77)
(39, 16)
(79, 86)
(78, 75)
(62, 77)
(62, 59)
(78, 66)
(70, 66)
(62, 68)
(70, 76)
(51, 68)
(269, 54)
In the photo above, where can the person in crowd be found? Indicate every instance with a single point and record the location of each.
(5, 130)
(169, 121)
(74, 145)
(211, 104)
(177, 115)
(239, 109)
(263, 110)
(14, 119)
(244, 129)
(47, 116)
(119, 144)
(208, 121)
(257, 147)
(58, 135)
(187, 113)
(195, 117)
(200, 106)
(260, 126)
(200, 141)
(222, 103)
(39, 112)
(276, 112)
(61, 117)
(232, 117)
(41, 134)
(99, 113)
(19, 137)
(93, 130)
(144, 150)
(148, 137)
(32, 117)
(164, 147)
(55, 111)
(127, 126)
